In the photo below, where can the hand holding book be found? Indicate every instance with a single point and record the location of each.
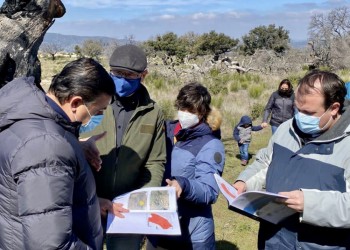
(255, 204)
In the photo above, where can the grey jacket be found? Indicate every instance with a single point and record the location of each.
(47, 190)
(321, 169)
(280, 107)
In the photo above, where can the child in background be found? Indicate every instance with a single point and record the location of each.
(242, 133)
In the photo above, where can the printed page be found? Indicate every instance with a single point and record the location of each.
(151, 211)
(226, 189)
(258, 204)
(263, 205)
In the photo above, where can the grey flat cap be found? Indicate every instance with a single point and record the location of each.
(128, 57)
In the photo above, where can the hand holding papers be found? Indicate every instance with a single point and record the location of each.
(255, 204)
(151, 211)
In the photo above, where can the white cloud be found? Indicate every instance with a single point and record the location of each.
(167, 17)
(235, 14)
(201, 15)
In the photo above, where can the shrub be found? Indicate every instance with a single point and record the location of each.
(257, 111)
(294, 79)
(168, 109)
(255, 91)
(156, 80)
(235, 86)
(214, 72)
(217, 101)
(244, 85)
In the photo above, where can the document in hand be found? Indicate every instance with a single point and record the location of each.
(255, 204)
(151, 211)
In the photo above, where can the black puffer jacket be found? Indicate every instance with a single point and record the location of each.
(281, 108)
(47, 190)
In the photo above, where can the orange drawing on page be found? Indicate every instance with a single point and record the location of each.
(160, 221)
(227, 191)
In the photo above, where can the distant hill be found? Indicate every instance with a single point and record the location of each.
(70, 41)
(298, 43)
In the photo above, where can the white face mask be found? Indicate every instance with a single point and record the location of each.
(187, 119)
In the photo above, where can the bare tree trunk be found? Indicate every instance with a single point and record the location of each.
(23, 24)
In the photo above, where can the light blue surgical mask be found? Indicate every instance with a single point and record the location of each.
(309, 124)
(94, 121)
(125, 87)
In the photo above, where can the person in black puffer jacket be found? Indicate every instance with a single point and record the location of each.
(280, 106)
(47, 189)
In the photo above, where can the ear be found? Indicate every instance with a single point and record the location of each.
(143, 74)
(335, 108)
(75, 102)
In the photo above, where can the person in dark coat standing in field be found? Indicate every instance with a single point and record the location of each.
(280, 105)
(48, 195)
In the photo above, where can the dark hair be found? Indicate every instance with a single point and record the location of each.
(332, 87)
(195, 98)
(83, 77)
(285, 81)
(285, 93)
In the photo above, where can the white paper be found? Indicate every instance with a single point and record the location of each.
(151, 211)
(263, 205)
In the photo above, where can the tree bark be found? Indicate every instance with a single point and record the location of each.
(23, 24)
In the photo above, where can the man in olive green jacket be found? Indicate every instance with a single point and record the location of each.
(133, 151)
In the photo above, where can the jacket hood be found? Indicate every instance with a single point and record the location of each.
(214, 119)
(245, 120)
(20, 99)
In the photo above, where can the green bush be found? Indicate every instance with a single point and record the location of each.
(294, 79)
(156, 80)
(216, 86)
(257, 111)
(217, 101)
(243, 81)
(214, 72)
(255, 91)
(158, 83)
(244, 85)
(235, 86)
(324, 68)
(168, 109)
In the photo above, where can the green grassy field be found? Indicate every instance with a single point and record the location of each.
(235, 231)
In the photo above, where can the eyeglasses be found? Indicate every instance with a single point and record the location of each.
(126, 74)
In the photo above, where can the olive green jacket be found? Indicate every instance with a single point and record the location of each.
(142, 155)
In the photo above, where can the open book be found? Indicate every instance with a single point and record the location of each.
(151, 211)
(255, 204)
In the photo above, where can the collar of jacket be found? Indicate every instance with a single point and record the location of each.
(141, 97)
(192, 133)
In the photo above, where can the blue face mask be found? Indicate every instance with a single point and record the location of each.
(94, 121)
(309, 124)
(125, 87)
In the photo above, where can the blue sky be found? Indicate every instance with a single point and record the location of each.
(145, 19)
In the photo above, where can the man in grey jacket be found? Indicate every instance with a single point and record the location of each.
(308, 161)
(47, 190)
